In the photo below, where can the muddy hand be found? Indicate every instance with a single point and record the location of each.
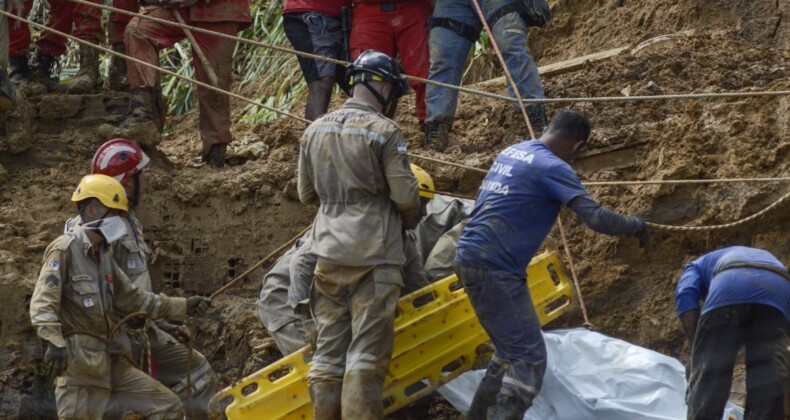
(198, 305)
(182, 333)
(56, 359)
(644, 240)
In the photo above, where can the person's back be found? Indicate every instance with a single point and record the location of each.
(745, 293)
(353, 161)
(516, 207)
(344, 153)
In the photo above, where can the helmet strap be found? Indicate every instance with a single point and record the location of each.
(385, 103)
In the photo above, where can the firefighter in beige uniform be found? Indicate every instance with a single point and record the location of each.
(354, 161)
(156, 345)
(75, 307)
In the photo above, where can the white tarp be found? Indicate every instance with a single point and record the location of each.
(592, 376)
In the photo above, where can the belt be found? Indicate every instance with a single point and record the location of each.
(770, 268)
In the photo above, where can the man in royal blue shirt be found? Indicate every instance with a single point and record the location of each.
(516, 207)
(746, 295)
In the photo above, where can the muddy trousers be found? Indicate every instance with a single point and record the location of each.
(763, 331)
(130, 387)
(170, 360)
(84, 22)
(145, 38)
(503, 305)
(450, 49)
(356, 326)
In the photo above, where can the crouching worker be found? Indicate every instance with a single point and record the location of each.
(75, 307)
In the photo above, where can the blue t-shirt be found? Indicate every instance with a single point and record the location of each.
(699, 281)
(516, 207)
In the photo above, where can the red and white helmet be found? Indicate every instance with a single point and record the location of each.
(121, 159)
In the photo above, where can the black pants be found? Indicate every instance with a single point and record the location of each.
(763, 330)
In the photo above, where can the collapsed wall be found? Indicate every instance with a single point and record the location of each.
(208, 226)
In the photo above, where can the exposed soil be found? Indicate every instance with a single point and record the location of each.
(208, 226)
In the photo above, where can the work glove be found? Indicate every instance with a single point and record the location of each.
(56, 359)
(198, 305)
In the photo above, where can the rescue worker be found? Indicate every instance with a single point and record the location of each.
(353, 161)
(455, 26)
(145, 38)
(397, 27)
(746, 302)
(74, 309)
(515, 209)
(156, 346)
(284, 300)
(315, 27)
(84, 22)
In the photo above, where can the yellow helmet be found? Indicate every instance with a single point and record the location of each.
(106, 189)
(425, 182)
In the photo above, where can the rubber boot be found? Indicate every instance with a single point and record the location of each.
(508, 408)
(326, 397)
(140, 125)
(42, 71)
(85, 80)
(216, 155)
(537, 119)
(116, 74)
(362, 394)
(485, 395)
(20, 69)
(437, 135)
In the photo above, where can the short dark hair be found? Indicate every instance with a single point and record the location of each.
(571, 124)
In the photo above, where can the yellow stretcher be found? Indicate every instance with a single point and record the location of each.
(437, 338)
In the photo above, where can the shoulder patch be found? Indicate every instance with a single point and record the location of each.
(51, 282)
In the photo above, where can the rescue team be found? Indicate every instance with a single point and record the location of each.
(377, 233)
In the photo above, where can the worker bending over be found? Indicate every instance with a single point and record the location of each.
(157, 347)
(353, 161)
(516, 207)
(746, 302)
(75, 308)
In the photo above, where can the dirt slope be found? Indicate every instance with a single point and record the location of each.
(207, 226)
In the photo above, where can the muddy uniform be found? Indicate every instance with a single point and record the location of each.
(746, 295)
(398, 27)
(145, 38)
(354, 162)
(77, 297)
(154, 350)
(169, 356)
(285, 291)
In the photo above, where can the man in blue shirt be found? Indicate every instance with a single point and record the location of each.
(515, 209)
(746, 295)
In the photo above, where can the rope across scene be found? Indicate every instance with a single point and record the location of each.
(691, 96)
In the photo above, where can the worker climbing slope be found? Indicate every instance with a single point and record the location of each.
(516, 207)
(353, 161)
(75, 307)
(157, 347)
(746, 302)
